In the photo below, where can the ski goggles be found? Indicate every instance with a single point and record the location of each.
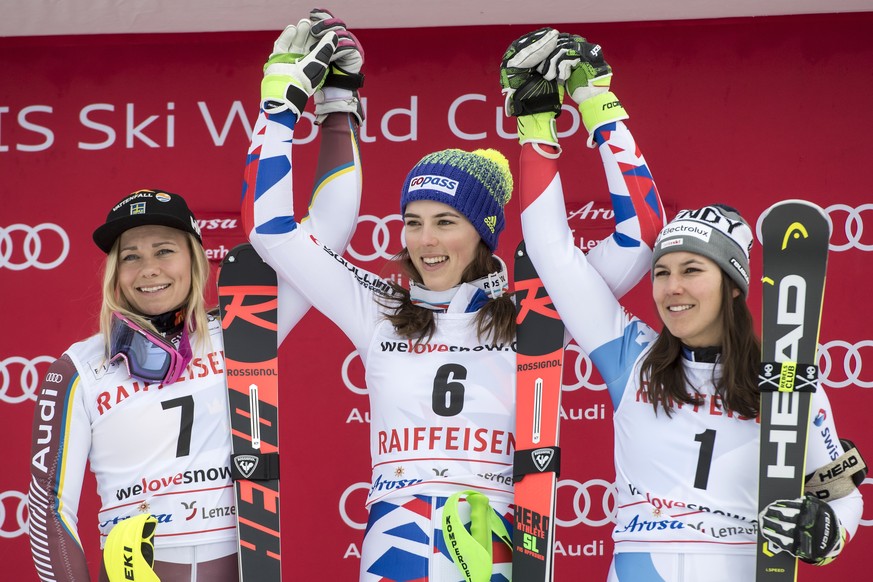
(148, 357)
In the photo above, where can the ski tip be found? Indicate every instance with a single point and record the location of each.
(795, 202)
(234, 253)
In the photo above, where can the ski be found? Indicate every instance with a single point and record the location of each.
(247, 294)
(795, 236)
(540, 344)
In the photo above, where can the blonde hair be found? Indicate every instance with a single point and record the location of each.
(195, 312)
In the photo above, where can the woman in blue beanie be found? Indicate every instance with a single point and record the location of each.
(439, 355)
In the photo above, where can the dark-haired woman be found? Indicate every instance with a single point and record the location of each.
(686, 401)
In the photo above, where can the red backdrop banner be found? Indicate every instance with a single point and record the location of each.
(741, 111)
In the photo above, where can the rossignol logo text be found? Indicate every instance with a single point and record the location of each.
(440, 183)
(252, 372)
(539, 365)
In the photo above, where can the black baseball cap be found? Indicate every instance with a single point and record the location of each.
(146, 207)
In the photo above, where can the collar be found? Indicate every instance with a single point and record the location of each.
(465, 297)
(708, 355)
(169, 322)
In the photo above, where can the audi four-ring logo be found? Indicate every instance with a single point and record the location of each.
(32, 253)
(852, 221)
(853, 227)
(13, 514)
(582, 369)
(346, 374)
(852, 364)
(23, 375)
(383, 245)
(344, 505)
(593, 502)
(867, 481)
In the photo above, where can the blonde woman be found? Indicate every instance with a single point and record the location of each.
(144, 400)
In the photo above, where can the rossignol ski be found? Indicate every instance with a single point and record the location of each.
(538, 405)
(795, 236)
(247, 293)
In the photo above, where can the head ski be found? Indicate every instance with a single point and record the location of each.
(795, 236)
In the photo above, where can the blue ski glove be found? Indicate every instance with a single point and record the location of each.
(296, 68)
(805, 527)
(340, 90)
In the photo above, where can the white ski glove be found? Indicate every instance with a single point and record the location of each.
(296, 68)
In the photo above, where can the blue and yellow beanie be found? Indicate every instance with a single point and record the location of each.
(477, 184)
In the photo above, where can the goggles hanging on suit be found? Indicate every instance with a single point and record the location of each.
(148, 356)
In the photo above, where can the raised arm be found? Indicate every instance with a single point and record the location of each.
(295, 249)
(623, 258)
(336, 195)
(583, 288)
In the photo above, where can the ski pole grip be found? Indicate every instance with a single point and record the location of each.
(541, 460)
(787, 377)
(254, 467)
